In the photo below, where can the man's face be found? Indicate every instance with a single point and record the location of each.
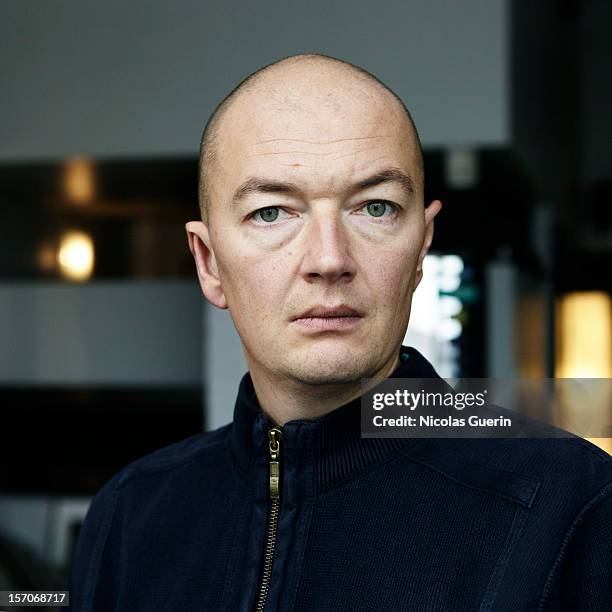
(323, 242)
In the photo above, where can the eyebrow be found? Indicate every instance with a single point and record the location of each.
(389, 175)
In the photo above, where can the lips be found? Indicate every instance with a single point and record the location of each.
(320, 311)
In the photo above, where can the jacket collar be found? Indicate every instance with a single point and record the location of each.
(330, 445)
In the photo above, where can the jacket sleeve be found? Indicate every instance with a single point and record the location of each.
(583, 570)
(90, 568)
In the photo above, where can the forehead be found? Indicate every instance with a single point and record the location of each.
(323, 135)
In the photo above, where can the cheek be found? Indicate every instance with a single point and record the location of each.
(391, 270)
(252, 287)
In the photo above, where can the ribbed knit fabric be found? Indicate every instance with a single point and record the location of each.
(364, 523)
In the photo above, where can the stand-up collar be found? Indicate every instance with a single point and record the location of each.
(332, 443)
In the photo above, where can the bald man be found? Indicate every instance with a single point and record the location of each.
(313, 234)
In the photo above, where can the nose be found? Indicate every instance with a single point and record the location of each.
(327, 248)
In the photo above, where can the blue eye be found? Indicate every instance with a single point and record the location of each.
(268, 214)
(377, 208)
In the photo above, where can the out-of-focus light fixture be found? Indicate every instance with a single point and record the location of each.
(432, 317)
(584, 343)
(46, 257)
(79, 182)
(452, 265)
(76, 256)
(449, 329)
(584, 335)
(450, 306)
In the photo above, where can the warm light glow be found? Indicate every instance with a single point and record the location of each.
(79, 181)
(604, 443)
(584, 350)
(76, 256)
(584, 335)
(46, 257)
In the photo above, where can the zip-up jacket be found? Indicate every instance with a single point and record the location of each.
(312, 517)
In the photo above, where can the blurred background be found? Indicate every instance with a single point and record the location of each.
(108, 349)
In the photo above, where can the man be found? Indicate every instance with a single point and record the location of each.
(313, 235)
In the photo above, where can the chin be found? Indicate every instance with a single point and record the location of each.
(325, 367)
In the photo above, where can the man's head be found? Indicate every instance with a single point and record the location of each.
(210, 135)
(311, 191)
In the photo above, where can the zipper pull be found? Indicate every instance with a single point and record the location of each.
(274, 448)
(274, 440)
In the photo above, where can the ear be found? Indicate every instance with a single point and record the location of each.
(206, 263)
(430, 212)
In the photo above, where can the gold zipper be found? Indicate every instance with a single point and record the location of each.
(274, 439)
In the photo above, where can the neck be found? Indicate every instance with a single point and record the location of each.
(285, 399)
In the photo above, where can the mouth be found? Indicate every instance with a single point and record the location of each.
(328, 318)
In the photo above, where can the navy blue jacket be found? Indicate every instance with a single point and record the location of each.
(362, 523)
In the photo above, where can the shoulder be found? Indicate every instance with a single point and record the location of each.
(567, 458)
(581, 574)
(540, 472)
(135, 485)
(139, 481)
(541, 450)
(567, 461)
(179, 456)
